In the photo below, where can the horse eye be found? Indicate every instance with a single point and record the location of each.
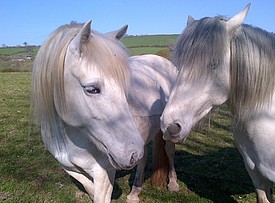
(92, 90)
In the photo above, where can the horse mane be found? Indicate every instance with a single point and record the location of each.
(48, 70)
(252, 70)
(194, 52)
(252, 65)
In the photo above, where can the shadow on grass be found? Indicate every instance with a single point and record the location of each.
(215, 176)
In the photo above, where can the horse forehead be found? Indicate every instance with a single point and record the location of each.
(83, 69)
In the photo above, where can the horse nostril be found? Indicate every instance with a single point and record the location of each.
(133, 159)
(174, 129)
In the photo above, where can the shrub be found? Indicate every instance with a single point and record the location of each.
(164, 53)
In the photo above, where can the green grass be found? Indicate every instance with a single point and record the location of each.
(10, 58)
(11, 50)
(208, 165)
(28, 172)
(148, 44)
(16, 66)
(19, 51)
(143, 50)
(149, 40)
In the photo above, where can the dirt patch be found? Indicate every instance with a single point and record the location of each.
(4, 196)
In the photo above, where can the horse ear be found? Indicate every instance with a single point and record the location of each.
(190, 20)
(81, 38)
(236, 21)
(118, 34)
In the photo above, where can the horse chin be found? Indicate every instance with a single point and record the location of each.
(114, 163)
(176, 139)
(118, 166)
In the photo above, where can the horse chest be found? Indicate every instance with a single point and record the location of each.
(255, 140)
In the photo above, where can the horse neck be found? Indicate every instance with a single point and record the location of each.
(166, 76)
(164, 72)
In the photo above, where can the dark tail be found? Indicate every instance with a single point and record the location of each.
(160, 162)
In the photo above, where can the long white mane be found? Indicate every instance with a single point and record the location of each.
(252, 69)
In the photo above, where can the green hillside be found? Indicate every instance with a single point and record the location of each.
(136, 44)
(149, 40)
(19, 51)
(14, 59)
(148, 44)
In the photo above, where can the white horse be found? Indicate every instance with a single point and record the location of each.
(222, 61)
(79, 86)
(152, 80)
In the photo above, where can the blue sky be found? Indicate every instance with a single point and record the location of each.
(32, 21)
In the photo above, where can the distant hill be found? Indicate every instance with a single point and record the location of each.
(136, 44)
(19, 51)
(149, 40)
(21, 58)
(149, 44)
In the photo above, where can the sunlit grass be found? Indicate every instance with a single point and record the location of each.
(209, 167)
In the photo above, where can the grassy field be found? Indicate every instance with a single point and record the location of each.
(17, 59)
(19, 51)
(137, 45)
(209, 167)
(149, 40)
(148, 44)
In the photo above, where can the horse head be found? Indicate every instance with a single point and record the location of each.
(202, 54)
(88, 88)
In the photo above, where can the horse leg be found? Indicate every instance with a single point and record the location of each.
(173, 186)
(139, 179)
(250, 141)
(262, 185)
(86, 182)
(103, 184)
(100, 189)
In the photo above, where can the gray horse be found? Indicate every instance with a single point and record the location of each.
(222, 61)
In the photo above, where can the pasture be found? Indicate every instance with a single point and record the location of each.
(148, 43)
(209, 167)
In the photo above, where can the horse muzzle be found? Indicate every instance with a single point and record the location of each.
(174, 132)
(127, 160)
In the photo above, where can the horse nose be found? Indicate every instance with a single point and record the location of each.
(127, 160)
(173, 132)
(134, 159)
(174, 129)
